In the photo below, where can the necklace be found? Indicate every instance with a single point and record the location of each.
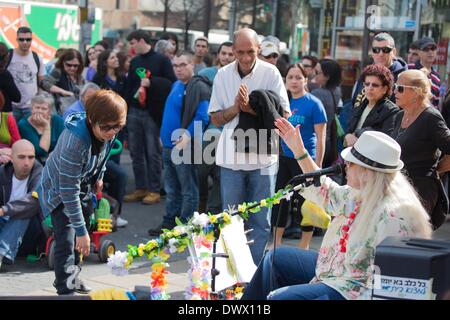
(346, 228)
(409, 119)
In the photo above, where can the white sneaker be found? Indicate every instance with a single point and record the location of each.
(120, 223)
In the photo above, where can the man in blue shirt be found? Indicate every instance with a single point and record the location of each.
(185, 117)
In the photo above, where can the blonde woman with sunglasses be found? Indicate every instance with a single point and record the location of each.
(423, 136)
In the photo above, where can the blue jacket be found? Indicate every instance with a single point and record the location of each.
(70, 171)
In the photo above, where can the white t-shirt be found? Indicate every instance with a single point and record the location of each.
(19, 188)
(364, 116)
(24, 71)
(264, 76)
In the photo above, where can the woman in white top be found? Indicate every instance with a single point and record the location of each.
(376, 112)
(376, 203)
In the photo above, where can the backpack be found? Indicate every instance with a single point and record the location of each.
(35, 57)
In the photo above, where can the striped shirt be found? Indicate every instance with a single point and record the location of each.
(69, 169)
(435, 82)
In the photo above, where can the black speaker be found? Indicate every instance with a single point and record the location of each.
(412, 269)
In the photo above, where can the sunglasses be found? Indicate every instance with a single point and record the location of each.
(430, 48)
(107, 128)
(307, 66)
(401, 88)
(371, 84)
(384, 49)
(69, 65)
(25, 39)
(271, 56)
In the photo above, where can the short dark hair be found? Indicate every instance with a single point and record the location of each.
(202, 38)
(382, 73)
(140, 34)
(105, 106)
(188, 54)
(225, 44)
(24, 30)
(415, 45)
(170, 36)
(102, 43)
(314, 60)
(333, 70)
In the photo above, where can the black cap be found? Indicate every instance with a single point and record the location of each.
(425, 42)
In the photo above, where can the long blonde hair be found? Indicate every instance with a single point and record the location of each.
(393, 188)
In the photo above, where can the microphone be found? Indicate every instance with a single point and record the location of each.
(330, 171)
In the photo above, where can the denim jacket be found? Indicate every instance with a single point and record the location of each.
(70, 171)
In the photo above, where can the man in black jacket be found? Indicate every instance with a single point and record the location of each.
(143, 129)
(18, 180)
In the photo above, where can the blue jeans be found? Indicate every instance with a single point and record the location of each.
(181, 186)
(145, 149)
(11, 235)
(291, 272)
(116, 177)
(246, 186)
(21, 113)
(65, 254)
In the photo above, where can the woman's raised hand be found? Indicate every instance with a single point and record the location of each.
(290, 135)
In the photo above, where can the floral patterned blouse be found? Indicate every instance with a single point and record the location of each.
(350, 273)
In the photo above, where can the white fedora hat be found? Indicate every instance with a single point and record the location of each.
(376, 151)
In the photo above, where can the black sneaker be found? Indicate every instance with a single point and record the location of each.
(155, 232)
(81, 287)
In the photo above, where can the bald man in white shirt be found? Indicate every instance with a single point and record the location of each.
(245, 177)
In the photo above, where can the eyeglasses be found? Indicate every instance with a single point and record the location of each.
(70, 65)
(25, 39)
(429, 48)
(401, 88)
(271, 56)
(373, 85)
(384, 49)
(181, 65)
(107, 128)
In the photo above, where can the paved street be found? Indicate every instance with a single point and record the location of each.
(26, 278)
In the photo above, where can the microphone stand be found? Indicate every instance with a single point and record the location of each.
(215, 272)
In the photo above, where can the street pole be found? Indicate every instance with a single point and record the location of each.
(208, 8)
(85, 26)
(366, 33)
(254, 12)
(166, 15)
(274, 17)
(232, 21)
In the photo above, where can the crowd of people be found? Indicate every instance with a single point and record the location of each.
(188, 125)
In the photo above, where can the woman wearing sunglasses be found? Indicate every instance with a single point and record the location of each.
(65, 81)
(71, 176)
(376, 111)
(376, 203)
(423, 135)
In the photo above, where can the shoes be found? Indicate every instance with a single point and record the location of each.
(155, 232)
(152, 198)
(81, 287)
(137, 195)
(120, 223)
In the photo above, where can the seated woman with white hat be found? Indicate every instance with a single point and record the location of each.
(377, 202)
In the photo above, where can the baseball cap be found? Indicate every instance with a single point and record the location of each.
(267, 48)
(425, 42)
